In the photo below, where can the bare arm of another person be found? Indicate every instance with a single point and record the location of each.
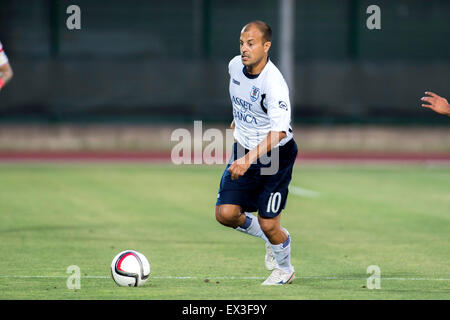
(436, 103)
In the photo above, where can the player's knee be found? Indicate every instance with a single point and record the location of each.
(268, 226)
(218, 214)
(226, 215)
(223, 215)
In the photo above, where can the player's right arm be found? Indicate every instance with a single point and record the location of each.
(6, 72)
(232, 125)
(437, 103)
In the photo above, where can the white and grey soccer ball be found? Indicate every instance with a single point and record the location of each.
(130, 268)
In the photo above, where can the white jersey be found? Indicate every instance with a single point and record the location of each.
(3, 57)
(260, 103)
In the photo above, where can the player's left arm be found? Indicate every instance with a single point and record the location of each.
(241, 165)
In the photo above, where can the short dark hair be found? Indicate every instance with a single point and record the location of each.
(265, 29)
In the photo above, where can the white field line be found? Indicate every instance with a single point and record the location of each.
(228, 278)
(303, 192)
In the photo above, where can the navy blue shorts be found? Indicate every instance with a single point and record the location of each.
(261, 188)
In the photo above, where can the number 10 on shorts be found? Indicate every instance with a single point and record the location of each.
(274, 202)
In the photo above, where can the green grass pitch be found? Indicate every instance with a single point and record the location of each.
(53, 216)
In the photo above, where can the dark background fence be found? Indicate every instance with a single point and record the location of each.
(167, 60)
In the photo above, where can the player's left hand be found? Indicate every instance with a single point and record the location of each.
(238, 168)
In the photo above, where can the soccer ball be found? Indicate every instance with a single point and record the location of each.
(130, 268)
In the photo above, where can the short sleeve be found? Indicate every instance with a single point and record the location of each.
(278, 106)
(233, 63)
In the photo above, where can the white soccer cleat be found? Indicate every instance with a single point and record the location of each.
(279, 277)
(269, 259)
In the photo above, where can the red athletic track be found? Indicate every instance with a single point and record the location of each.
(151, 157)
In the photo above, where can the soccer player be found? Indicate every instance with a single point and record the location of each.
(6, 72)
(262, 116)
(437, 103)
